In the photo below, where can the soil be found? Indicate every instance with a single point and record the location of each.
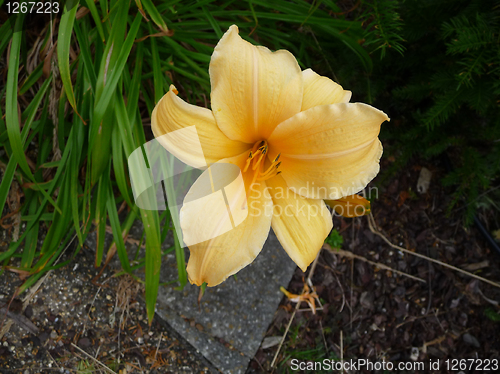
(376, 314)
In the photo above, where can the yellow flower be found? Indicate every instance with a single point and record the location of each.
(296, 139)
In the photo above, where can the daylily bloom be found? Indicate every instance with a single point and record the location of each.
(296, 139)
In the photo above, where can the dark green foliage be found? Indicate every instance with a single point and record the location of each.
(443, 94)
(492, 314)
(335, 240)
(382, 26)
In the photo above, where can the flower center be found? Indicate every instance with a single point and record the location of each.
(256, 159)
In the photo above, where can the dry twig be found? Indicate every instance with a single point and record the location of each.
(372, 225)
(311, 272)
(351, 255)
(93, 359)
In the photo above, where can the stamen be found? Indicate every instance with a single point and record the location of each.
(249, 161)
(271, 168)
(267, 176)
(257, 162)
(255, 177)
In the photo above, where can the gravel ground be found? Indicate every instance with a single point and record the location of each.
(77, 324)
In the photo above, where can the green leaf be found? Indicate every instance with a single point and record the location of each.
(334, 239)
(95, 15)
(155, 15)
(31, 239)
(32, 79)
(492, 314)
(59, 228)
(100, 215)
(6, 32)
(133, 89)
(179, 51)
(150, 219)
(11, 111)
(63, 47)
(55, 182)
(86, 55)
(7, 178)
(157, 74)
(119, 166)
(113, 78)
(213, 22)
(117, 231)
(11, 115)
(73, 166)
(102, 145)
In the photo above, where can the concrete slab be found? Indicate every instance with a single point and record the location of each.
(233, 317)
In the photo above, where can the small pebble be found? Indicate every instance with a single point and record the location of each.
(84, 342)
(29, 311)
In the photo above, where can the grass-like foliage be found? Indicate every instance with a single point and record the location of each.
(76, 98)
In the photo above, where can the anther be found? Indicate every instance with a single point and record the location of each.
(269, 175)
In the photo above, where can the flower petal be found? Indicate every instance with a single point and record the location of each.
(253, 89)
(300, 224)
(213, 260)
(350, 206)
(172, 113)
(320, 90)
(329, 151)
